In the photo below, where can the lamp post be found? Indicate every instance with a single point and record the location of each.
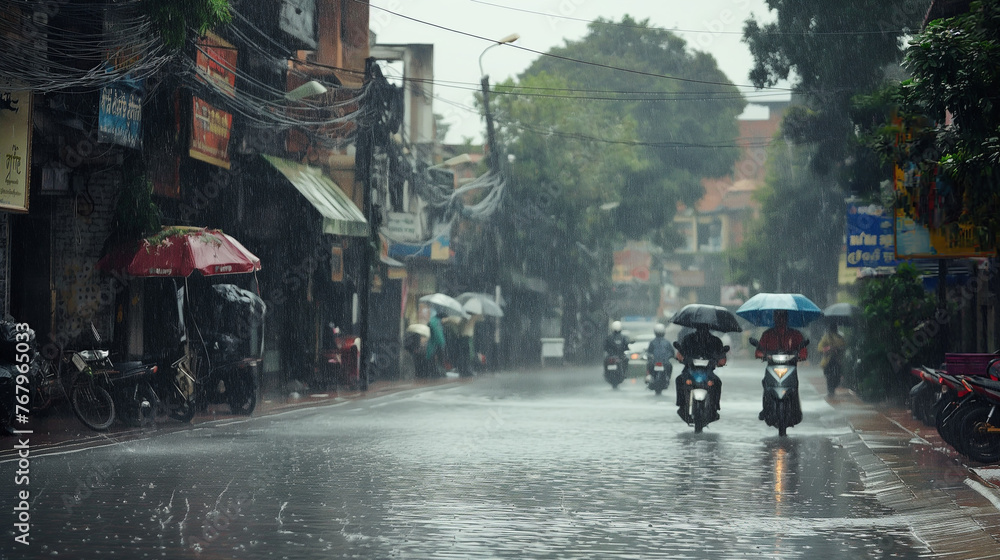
(492, 160)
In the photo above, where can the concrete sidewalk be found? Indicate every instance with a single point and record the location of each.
(952, 503)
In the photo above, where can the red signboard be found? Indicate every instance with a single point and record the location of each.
(215, 63)
(210, 133)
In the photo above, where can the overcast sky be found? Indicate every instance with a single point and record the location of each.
(713, 26)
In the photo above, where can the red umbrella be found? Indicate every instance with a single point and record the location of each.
(178, 251)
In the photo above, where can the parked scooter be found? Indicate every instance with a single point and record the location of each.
(979, 425)
(781, 406)
(615, 369)
(697, 390)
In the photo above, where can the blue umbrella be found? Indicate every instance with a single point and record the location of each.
(760, 309)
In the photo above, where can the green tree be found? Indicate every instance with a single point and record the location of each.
(954, 72)
(794, 244)
(173, 18)
(832, 52)
(685, 115)
(897, 329)
(585, 135)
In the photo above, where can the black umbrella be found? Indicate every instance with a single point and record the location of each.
(841, 312)
(711, 316)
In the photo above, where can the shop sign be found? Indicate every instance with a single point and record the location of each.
(215, 63)
(119, 119)
(403, 226)
(210, 133)
(870, 240)
(15, 143)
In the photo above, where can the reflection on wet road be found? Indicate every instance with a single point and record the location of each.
(525, 465)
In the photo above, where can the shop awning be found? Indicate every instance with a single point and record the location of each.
(340, 215)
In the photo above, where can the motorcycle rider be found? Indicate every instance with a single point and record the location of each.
(616, 344)
(702, 344)
(659, 349)
(781, 338)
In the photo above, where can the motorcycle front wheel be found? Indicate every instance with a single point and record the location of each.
(699, 413)
(93, 405)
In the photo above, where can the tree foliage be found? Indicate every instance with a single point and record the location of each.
(897, 329)
(174, 18)
(589, 134)
(795, 242)
(832, 52)
(953, 64)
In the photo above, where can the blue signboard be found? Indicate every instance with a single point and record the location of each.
(870, 241)
(119, 120)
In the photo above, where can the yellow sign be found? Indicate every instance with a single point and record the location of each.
(15, 143)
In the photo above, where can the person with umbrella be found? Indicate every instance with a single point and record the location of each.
(696, 341)
(436, 345)
(781, 337)
(700, 343)
(832, 346)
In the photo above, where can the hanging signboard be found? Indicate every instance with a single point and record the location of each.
(119, 119)
(15, 141)
(215, 63)
(210, 133)
(870, 239)
(923, 228)
(914, 240)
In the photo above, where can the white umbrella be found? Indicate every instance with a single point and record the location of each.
(445, 304)
(480, 304)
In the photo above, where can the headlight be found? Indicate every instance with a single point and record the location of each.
(781, 371)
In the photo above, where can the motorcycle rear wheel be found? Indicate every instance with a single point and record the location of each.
(93, 405)
(976, 443)
(242, 398)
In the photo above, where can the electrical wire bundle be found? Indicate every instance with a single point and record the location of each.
(71, 46)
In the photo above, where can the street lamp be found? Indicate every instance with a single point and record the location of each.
(490, 132)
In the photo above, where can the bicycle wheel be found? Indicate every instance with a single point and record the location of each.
(93, 405)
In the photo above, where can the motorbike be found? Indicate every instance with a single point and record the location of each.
(979, 425)
(658, 374)
(615, 369)
(697, 400)
(781, 406)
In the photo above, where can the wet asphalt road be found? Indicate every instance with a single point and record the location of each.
(543, 464)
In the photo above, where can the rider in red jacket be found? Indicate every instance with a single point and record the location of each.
(781, 337)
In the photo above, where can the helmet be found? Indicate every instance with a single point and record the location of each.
(659, 329)
(616, 326)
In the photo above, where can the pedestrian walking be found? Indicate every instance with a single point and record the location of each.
(832, 346)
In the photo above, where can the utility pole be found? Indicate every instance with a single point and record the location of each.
(364, 156)
(492, 157)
